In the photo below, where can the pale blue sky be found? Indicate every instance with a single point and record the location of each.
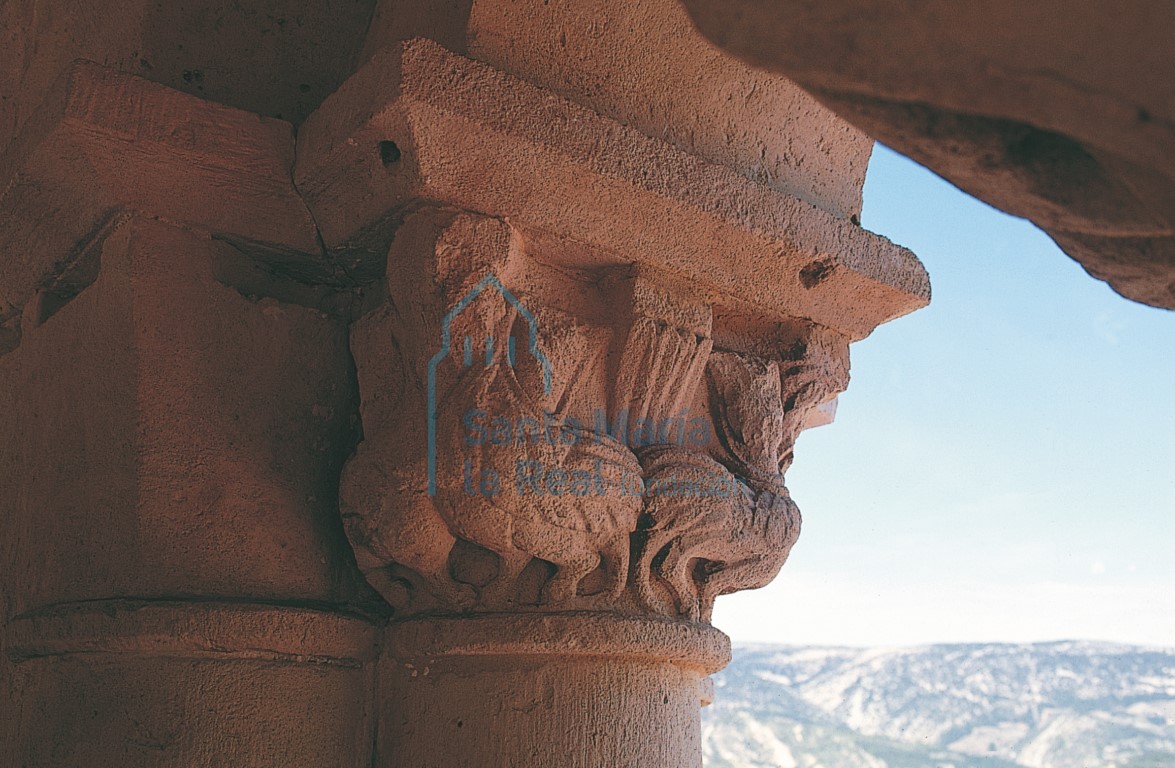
(1002, 467)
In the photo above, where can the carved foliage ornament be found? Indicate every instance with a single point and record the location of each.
(524, 452)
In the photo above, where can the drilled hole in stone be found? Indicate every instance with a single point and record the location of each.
(816, 272)
(388, 152)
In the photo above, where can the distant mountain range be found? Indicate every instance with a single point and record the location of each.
(1049, 705)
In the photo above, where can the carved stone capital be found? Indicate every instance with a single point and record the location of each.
(539, 438)
(582, 386)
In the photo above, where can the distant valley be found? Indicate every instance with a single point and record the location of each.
(1051, 705)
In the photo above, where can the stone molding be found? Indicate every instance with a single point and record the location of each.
(419, 125)
(194, 630)
(562, 635)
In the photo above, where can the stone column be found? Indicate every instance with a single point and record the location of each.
(175, 585)
(530, 689)
(582, 367)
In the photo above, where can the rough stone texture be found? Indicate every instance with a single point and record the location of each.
(139, 711)
(225, 347)
(193, 629)
(273, 57)
(576, 690)
(185, 474)
(470, 137)
(643, 279)
(1064, 116)
(170, 683)
(106, 144)
(643, 356)
(179, 441)
(695, 646)
(643, 64)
